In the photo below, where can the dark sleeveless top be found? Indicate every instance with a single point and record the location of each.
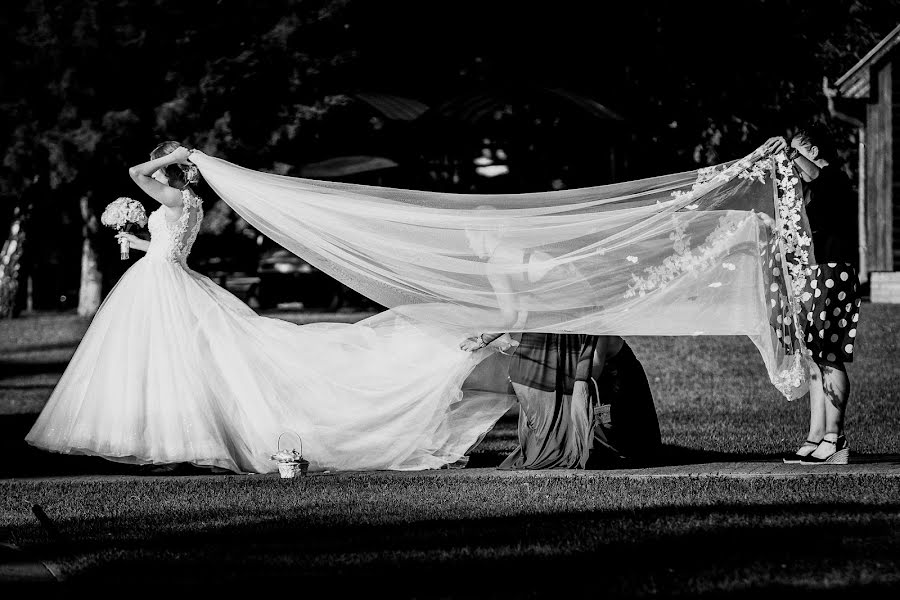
(831, 210)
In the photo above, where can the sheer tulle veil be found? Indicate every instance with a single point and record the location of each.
(723, 250)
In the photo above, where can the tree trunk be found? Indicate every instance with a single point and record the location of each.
(90, 292)
(10, 259)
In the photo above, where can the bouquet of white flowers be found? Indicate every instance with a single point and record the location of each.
(287, 456)
(121, 214)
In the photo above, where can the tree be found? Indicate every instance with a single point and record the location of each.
(79, 75)
(92, 86)
(10, 263)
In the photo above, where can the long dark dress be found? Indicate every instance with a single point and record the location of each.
(555, 431)
(625, 421)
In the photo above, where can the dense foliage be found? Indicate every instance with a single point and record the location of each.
(88, 87)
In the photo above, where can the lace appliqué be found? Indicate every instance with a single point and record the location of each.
(686, 259)
(191, 203)
(794, 244)
(704, 176)
(791, 378)
(750, 167)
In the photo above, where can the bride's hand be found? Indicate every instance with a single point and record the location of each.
(133, 240)
(180, 154)
(503, 343)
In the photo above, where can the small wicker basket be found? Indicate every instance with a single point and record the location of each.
(289, 469)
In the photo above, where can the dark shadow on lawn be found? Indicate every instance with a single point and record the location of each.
(21, 368)
(671, 456)
(24, 460)
(28, 386)
(69, 345)
(659, 550)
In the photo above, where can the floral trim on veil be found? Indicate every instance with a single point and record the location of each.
(685, 259)
(792, 244)
(789, 246)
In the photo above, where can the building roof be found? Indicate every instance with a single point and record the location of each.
(397, 108)
(342, 166)
(855, 82)
(483, 104)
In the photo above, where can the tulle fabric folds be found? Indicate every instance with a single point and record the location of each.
(718, 251)
(175, 369)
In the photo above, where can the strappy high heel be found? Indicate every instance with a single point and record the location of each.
(840, 456)
(795, 457)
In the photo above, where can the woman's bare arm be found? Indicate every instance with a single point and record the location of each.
(134, 242)
(164, 194)
(512, 317)
(808, 169)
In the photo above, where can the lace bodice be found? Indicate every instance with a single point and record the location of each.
(173, 241)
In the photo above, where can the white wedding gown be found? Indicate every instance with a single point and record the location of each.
(175, 369)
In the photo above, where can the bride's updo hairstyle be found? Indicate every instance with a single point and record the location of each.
(179, 175)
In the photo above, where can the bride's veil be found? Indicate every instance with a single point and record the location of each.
(718, 251)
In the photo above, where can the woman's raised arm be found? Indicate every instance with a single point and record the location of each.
(142, 175)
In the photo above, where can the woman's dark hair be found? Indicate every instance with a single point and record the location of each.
(176, 173)
(816, 134)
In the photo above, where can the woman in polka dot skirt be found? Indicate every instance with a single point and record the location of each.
(831, 299)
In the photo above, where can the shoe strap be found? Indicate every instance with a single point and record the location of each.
(829, 441)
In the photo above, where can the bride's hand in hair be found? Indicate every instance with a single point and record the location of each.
(180, 154)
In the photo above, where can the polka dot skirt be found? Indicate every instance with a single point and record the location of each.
(780, 312)
(830, 303)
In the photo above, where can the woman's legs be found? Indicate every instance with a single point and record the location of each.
(816, 405)
(817, 417)
(832, 314)
(836, 385)
(835, 391)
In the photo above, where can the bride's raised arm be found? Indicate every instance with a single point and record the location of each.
(145, 176)
(512, 315)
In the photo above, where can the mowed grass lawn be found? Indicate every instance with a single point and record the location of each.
(469, 533)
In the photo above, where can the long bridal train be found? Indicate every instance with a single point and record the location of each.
(175, 369)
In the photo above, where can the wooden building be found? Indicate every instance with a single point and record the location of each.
(868, 96)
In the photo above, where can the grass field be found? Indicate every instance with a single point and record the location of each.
(466, 533)
(437, 534)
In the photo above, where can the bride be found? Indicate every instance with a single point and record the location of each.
(174, 369)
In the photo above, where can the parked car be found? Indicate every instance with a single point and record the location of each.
(285, 277)
(226, 274)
